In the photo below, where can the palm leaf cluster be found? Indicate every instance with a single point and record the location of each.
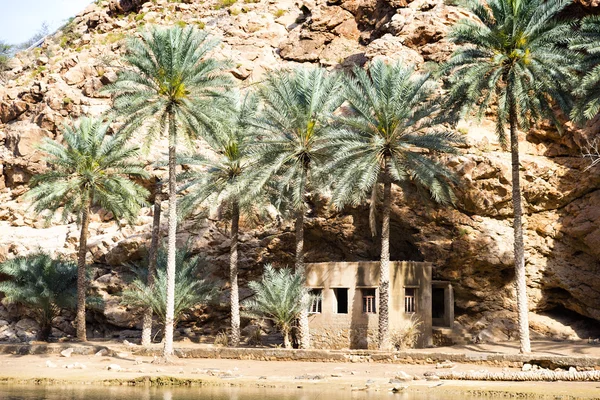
(393, 128)
(168, 78)
(297, 106)
(90, 168)
(588, 42)
(514, 54)
(192, 287)
(280, 296)
(44, 284)
(216, 176)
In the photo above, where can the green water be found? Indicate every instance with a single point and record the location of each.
(200, 393)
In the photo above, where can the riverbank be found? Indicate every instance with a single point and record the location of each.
(121, 366)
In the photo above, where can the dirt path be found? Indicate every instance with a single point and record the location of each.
(51, 368)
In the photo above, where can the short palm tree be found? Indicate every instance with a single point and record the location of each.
(43, 284)
(389, 136)
(513, 56)
(170, 85)
(189, 290)
(279, 296)
(297, 108)
(220, 182)
(90, 169)
(588, 90)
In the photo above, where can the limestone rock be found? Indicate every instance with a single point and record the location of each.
(114, 367)
(391, 48)
(67, 352)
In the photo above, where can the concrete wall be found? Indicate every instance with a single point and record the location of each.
(358, 330)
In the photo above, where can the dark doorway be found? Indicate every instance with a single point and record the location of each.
(438, 303)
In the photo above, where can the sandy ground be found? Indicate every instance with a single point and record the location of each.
(289, 374)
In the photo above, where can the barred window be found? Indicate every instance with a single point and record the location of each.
(368, 301)
(316, 298)
(410, 305)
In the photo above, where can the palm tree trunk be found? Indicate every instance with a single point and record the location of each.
(373, 211)
(147, 322)
(233, 276)
(287, 343)
(300, 241)
(522, 306)
(45, 320)
(172, 240)
(384, 270)
(81, 272)
(304, 330)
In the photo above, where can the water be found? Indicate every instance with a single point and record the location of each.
(195, 393)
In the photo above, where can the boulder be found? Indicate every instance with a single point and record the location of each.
(306, 46)
(391, 48)
(67, 352)
(124, 6)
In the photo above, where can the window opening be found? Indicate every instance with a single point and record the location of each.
(316, 301)
(409, 300)
(341, 299)
(368, 301)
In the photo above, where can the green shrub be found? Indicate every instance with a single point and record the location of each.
(279, 13)
(43, 284)
(221, 339)
(68, 34)
(279, 296)
(224, 4)
(114, 37)
(190, 291)
(408, 335)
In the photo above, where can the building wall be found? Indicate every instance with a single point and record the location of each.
(356, 329)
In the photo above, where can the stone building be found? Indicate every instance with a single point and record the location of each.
(344, 311)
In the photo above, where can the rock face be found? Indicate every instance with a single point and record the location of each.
(469, 245)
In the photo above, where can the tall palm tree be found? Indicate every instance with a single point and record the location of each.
(90, 169)
(297, 108)
(220, 182)
(389, 136)
(512, 58)
(170, 85)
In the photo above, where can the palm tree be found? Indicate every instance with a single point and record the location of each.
(280, 296)
(43, 284)
(91, 169)
(389, 136)
(588, 90)
(189, 290)
(297, 107)
(169, 86)
(513, 56)
(220, 182)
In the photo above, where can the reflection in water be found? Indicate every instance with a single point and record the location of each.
(197, 393)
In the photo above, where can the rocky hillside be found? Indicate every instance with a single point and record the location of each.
(470, 245)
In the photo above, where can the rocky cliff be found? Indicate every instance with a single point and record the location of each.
(470, 245)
